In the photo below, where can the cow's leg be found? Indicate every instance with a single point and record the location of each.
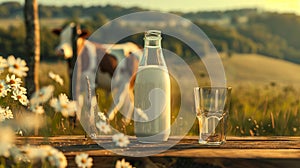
(123, 83)
(72, 120)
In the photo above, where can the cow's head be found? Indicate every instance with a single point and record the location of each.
(70, 35)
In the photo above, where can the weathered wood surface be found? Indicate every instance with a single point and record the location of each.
(238, 152)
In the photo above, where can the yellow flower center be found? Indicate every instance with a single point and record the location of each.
(83, 160)
(16, 66)
(64, 106)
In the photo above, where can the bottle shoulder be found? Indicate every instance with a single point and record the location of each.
(152, 68)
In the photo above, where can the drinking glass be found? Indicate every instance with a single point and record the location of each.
(212, 108)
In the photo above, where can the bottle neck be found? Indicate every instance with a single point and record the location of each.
(152, 42)
(152, 50)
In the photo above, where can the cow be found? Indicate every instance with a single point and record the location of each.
(115, 73)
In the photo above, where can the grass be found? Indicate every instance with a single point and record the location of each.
(265, 96)
(60, 68)
(7, 23)
(266, 110)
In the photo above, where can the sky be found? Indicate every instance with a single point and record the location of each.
(186, 5)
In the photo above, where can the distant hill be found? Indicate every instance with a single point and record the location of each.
(253, 69)
(258, 68)
(233, 31)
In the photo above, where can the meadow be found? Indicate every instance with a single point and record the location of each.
(265, 96)
(17, 22)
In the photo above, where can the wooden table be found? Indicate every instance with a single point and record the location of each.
(238, 152)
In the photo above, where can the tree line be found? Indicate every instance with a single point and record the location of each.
(271, 34)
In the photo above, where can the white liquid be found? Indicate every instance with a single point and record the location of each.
(152, 96)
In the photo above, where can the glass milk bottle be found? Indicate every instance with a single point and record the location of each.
(152, 93)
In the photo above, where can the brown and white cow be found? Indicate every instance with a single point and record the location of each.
(117, 67)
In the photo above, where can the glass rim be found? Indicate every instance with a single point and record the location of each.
(153, 34)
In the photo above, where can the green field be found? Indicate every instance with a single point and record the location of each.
(252, 68)
(241, 69)
(45, 22)
(265, 96)
(6, 23)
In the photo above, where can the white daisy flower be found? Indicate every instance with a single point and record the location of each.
(103, 127)
(41, 96)
(4, 88)
(32, 152)
(121, 140)
(48, 153)
(22, 89)
(70, 109)
(24, 101)
(16, 154)
(55, 104)
(17, 66)
(13, 81)
(8, 113)
(3, 63)
(37, 153)
(63, 105)
(56, 78)
(7, 135)
(60, 160)
(63, 162)
(2, 114)
(102, 116)
(50, 157)
(2, 117)
(123, 164)
(4, 150)
(83, 160)
(63, 100)
(38, 110)
(7, 138)
(19, 95)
